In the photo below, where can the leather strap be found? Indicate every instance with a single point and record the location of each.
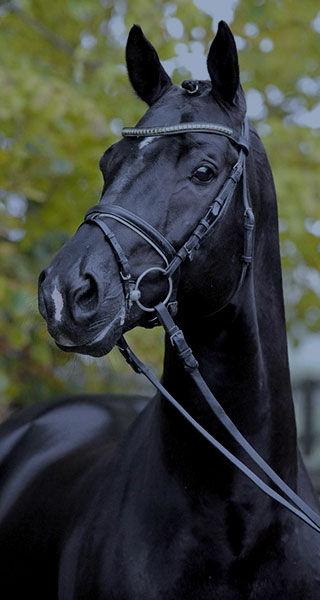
(191, 127)
(296, 505)
(120, 256)
(140, 226)
(211, 217)
(168, 324)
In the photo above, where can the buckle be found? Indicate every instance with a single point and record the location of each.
(248, 218)
(125, 277)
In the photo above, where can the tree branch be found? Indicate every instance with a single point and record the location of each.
(38, 27)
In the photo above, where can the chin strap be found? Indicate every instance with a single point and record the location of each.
(297, 506)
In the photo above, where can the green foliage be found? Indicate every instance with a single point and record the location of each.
(64, 93)
(294, 151)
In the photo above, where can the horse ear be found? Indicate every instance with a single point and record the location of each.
(147, 76)
(222, 63)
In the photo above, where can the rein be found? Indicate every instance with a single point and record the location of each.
(172, 261)
(297, 506)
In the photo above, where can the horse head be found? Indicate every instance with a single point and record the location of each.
(157, 188)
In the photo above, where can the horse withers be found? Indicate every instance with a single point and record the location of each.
(162, 514)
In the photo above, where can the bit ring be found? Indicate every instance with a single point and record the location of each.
(138, 293)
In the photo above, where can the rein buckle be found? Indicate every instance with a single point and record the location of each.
(125, 277)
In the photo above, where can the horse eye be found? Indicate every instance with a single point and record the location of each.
(203, 174)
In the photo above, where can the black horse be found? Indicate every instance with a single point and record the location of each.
(163, 515)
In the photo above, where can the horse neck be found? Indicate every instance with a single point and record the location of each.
(242, 353)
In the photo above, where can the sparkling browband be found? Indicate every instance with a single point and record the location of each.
(173, 129)
(186, 128)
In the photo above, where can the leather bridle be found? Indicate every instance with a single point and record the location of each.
(172, 258)
(163, 311)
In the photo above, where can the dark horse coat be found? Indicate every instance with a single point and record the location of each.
(160, 515)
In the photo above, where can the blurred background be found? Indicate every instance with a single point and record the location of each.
(64, 97)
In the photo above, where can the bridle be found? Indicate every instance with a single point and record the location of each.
(172, 258)
(164, 310)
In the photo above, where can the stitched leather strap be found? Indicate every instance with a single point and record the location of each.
(140, 226)
(168, 324)
(120, 255)
(215, 211)
(162, 130)
(296, 505)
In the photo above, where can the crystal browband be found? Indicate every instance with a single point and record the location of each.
(173, 129)
(185, 128)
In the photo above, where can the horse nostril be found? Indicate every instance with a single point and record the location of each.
(42, 277)
(41, 295)
(87, 296)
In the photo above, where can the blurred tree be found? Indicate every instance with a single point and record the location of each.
(64, 97)
(280, 68)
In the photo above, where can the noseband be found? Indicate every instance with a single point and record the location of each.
(172, 260)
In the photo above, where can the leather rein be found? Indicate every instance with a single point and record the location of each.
(164, 310)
